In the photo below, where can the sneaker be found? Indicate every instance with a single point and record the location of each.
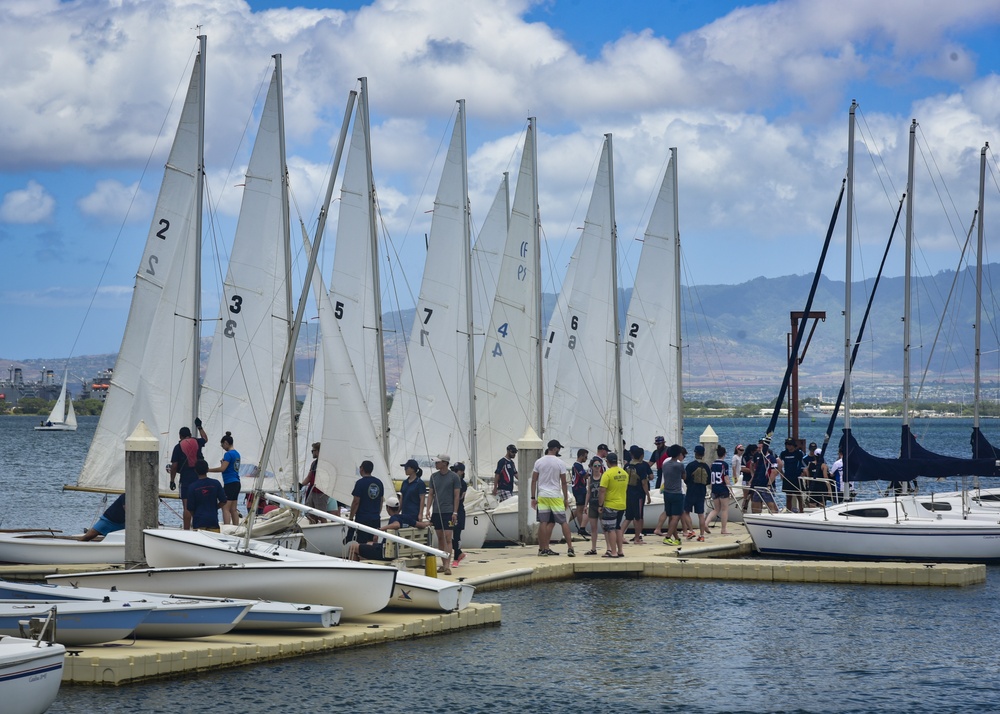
(671, 541)
(701, 539)
(459, 559)
(584, 532)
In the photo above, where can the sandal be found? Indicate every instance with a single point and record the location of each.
(571, 553)
(591, 552)
(620, 555)
(608, 555)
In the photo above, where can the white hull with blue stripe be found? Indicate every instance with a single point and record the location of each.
(30, 675)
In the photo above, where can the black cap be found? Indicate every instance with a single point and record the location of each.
(511, 447)
(612, 458)
(459, 466)
(554, 444)
(602, 446)
(411, 464)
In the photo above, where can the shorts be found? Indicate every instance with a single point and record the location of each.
(762, 495)
(372, 551)
(580, 495)
(185, 487)
(441, 522)
(318, 500)
(790, 486)
(362, 536)
(232, 490)
(673, 504)
(549, 503)
(634, 506)
(407, 520)
(694, 501)
(593, 510)
(504, 495)
(611, 520)
(552, 516)
(106, 525)
(720, 490)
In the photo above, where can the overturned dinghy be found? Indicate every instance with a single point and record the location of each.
(358, 588)
(171, 548)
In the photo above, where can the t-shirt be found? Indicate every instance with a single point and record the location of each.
(837, 474)
(689, 476)
(720, 472)
(184, 467)
(758, 467)
(444, 485)
(615, 481)
(791, 464)
(638, 472)
(549, 469)
(369, 491)
(411, 492)
(232, 472)
(579, 476)
(735, 467)
(116, 511)
(204, 498)
(507, 472)
(673, 476)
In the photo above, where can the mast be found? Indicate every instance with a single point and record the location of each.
(297, 322)
(847, 277)
(199, 207)
(287, 242)
(617, 419)
(906, 278)
(373, 238)
(979, 285)
(679, 357)
(536, 264)
(470, 350)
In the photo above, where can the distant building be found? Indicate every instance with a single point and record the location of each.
(14, 388)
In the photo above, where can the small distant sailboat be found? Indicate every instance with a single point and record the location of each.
(62, 417)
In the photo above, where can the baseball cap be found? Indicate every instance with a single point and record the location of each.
(818, 452)
(458, 466)
(602, 446)
(511, 447)
(442, 457)
(554, 444)
(612, 458)
(392, 502)
(699, 450)
(411, 464)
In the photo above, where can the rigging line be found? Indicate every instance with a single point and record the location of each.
(892, 197)
(182, 82)
(934, 183)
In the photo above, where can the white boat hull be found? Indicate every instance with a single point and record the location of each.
(167, 548)
(37, 549)
(78, 623)
(325, 538)
(358, 588)
(30, 675)
(828, 534)
(56, 427)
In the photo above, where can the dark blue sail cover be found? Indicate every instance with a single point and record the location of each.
(862, 466)
(981, 447)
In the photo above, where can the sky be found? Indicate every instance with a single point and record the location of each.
(755, 97)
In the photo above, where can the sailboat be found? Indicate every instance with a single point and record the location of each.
(883, 529)
(62, 417)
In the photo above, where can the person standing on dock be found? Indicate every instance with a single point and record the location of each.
(673, 495)
(612, 499)
(549, 496)
(205, 497)
(593, 499)
(790, 465)
(413, 492)
(444, 491)
(456, 535)
(697, 476)
(657, 458)
(230, 470)
(637, 493)
(720, 489)
(186, 453)
(580, 492)
(366, 507)
(505, 476)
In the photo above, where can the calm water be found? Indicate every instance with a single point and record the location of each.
(597, 645)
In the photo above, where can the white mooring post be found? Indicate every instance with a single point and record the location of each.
(142, 489)
(529, 450)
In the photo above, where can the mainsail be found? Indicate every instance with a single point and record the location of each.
(650, 351)
(487, 257)
(431, 408)
(251, 334)
(581, 343)
(155, 368)
(507, 398)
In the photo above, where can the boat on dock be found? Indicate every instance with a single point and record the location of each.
(46, 548)
(358, 588)
(30, 674)
(77, 623)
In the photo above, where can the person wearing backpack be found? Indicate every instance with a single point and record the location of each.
(185, 455)
(637, 492)
(697, 476)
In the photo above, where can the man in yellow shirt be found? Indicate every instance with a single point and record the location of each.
(611, 499)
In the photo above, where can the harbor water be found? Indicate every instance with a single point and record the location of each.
(596, 644)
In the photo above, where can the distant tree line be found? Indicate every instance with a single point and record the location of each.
(34, 405)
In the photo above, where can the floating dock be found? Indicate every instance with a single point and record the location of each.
(719, 558)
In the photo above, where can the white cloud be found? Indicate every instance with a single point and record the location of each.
(112, 202)
(32, 204)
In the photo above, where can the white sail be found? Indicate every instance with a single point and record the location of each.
(70, 415)
(430, 409)
(251, 334)
(352, 290)
(650, 378)
(579, 348)
(506, 378)
(487, 257)
(58, 413)
(154, 372)
(348, 433)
